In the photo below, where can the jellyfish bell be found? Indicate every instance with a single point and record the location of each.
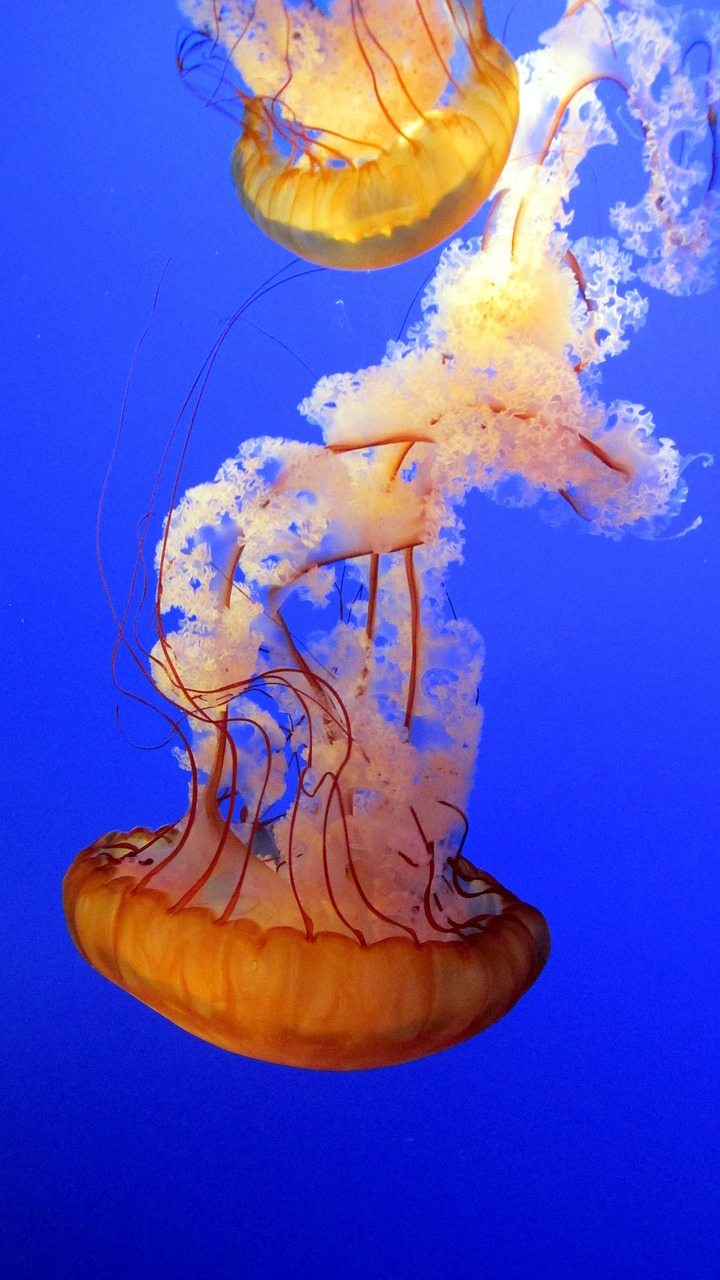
(273, 992)
(371, 131)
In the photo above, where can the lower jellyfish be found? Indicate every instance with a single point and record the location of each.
(317, 905)
(370, 132)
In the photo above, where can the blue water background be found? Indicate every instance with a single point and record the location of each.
(578, 1138)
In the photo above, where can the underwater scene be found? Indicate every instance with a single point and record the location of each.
(362, 378)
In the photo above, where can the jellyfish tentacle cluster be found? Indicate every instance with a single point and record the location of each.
(317, 905)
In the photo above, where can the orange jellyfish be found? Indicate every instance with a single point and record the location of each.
(317, 905)
(370, 132)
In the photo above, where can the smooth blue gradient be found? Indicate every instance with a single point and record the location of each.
(578, 1139)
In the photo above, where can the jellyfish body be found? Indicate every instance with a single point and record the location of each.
(317, 905)
(324, 1002)
(370, 133)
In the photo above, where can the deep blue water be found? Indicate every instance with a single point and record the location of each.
(579, 1137)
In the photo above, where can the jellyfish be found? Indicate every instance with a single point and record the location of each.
(320, 903)
(370, 131)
